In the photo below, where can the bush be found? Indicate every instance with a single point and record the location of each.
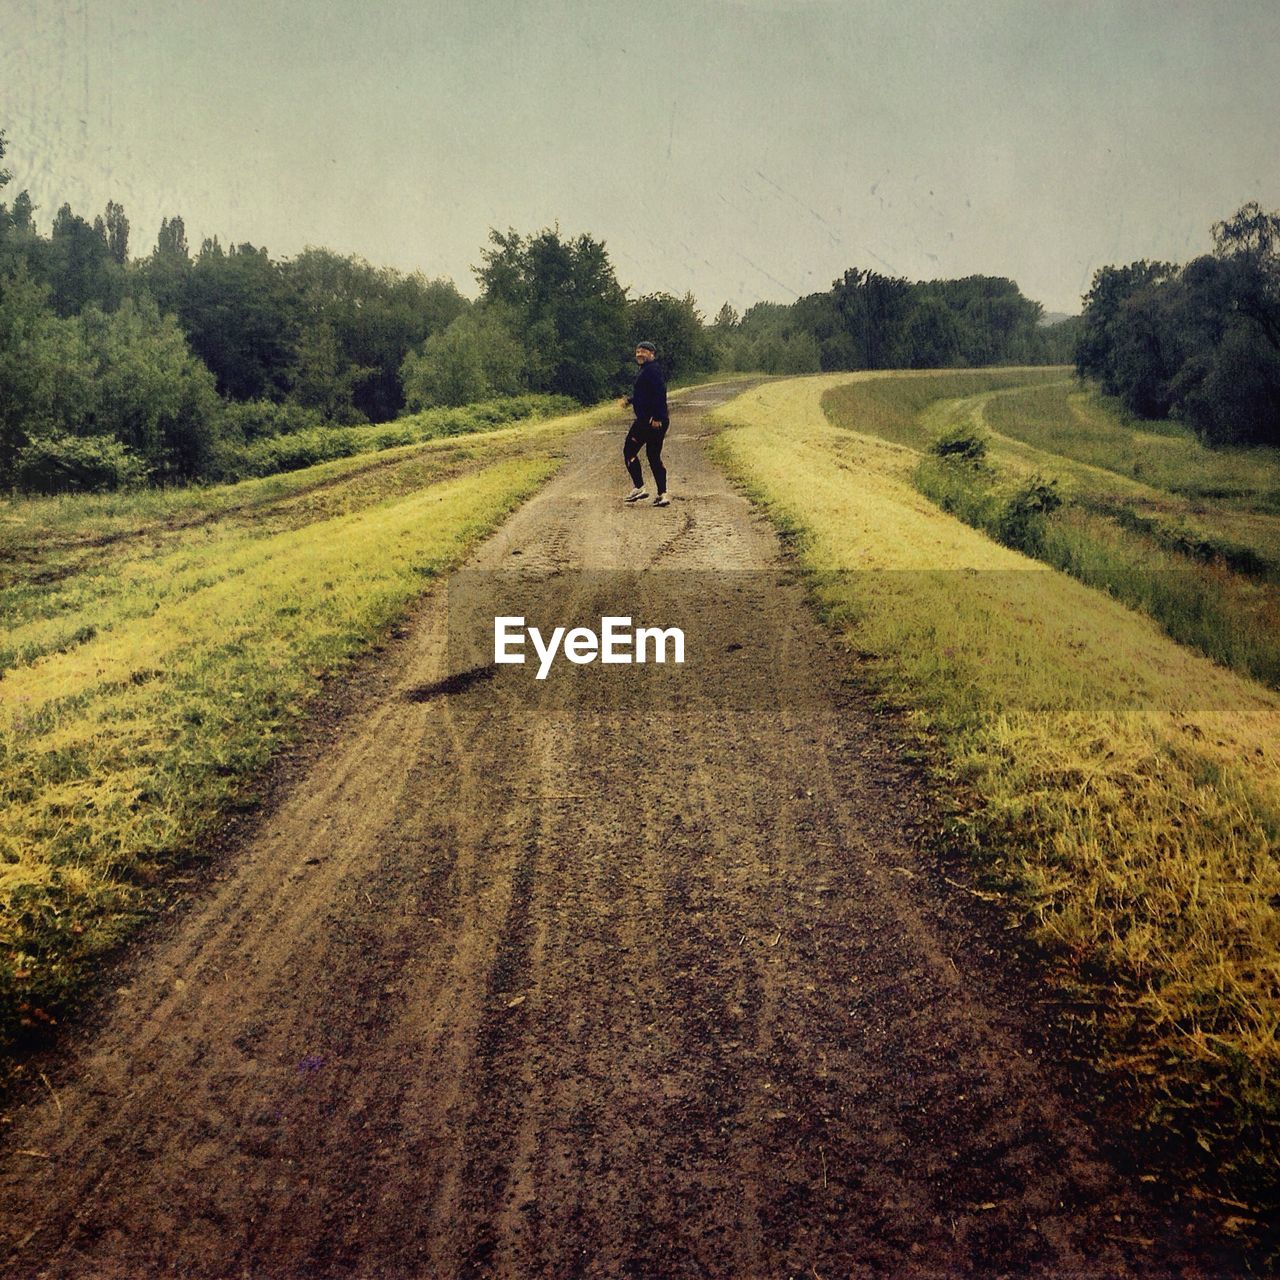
(260, 419)
(962, 443)
(1020, 523)
(960, 486)
(969, 489)
(77, 464)
(316, 444)
(475, 358)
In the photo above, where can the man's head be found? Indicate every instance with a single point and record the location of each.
(645, 351)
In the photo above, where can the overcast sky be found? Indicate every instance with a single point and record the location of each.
(743, 150)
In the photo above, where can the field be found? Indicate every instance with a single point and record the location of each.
(1120, 790)
(160, 645)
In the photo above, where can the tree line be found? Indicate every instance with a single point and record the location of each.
(1198, 342)
(118, 369)
(872, 321)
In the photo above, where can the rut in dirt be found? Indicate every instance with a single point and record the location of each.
(640, 973)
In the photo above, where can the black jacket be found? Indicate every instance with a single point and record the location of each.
(649, 396)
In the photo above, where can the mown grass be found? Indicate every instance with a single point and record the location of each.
(1121, 789)
(297, 449)
(33, 527)
(1153, 478)
(889, 404)
(1080, 423)
(1177, 560)
(150, 676)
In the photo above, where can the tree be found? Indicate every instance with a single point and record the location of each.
(569, 307)
(1103, 318)
(126, 377)
(1248, 233)
(1148, 349)
(816, 315)
(166, 274)
(241, 318)
(117, 233)
(376, 317)
(674, 326)
(27, 365)
(171, 242)
(324, 379)
(931, 337)
(151, 393)
(726, 318)
(792, 353)
(23, 216)
(872, 307)
(1056, 342)
(1202, 341)
(81, 270)
(1250, 243)
(20, 243)
(475, 358)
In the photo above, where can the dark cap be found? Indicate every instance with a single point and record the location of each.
(646, 346)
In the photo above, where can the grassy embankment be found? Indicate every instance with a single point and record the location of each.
(1188, 535)
(323, 443)
(160, 645)
(1121, 790)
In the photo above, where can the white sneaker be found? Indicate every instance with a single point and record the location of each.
(636, 494)
(662, 500)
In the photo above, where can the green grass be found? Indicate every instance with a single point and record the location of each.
(1121, 791)
(1079, 423)
(33, 528)
(297, 449)
(889, 404)
(1174, 558)
(1155, 477)
(161, 647)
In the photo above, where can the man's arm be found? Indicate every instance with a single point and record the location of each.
(659, 417)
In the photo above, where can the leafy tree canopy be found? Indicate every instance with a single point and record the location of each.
(568, 307)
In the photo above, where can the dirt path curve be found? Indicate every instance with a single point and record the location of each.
(650, 984)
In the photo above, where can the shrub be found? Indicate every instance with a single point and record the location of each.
(77, 464)
(1020, 522)
(298, 449)
(960, 486)
(969, 489)
(962, 443)
(259, 419)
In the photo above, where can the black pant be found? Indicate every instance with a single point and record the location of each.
(651, 438)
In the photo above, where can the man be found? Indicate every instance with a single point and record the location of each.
(648, 401)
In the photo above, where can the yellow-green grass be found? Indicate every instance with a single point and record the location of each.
(64, 554)
(154, 682)
(1114, 532)
(1207, 502)
(35, 530)
(1080, 423)
(889, 403)
(1122, 789)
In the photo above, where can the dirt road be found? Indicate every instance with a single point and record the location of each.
(636, 972)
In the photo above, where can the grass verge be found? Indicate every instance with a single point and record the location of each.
(150, 675)
(1122, 790)
(297, 449)
(1208, 576)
